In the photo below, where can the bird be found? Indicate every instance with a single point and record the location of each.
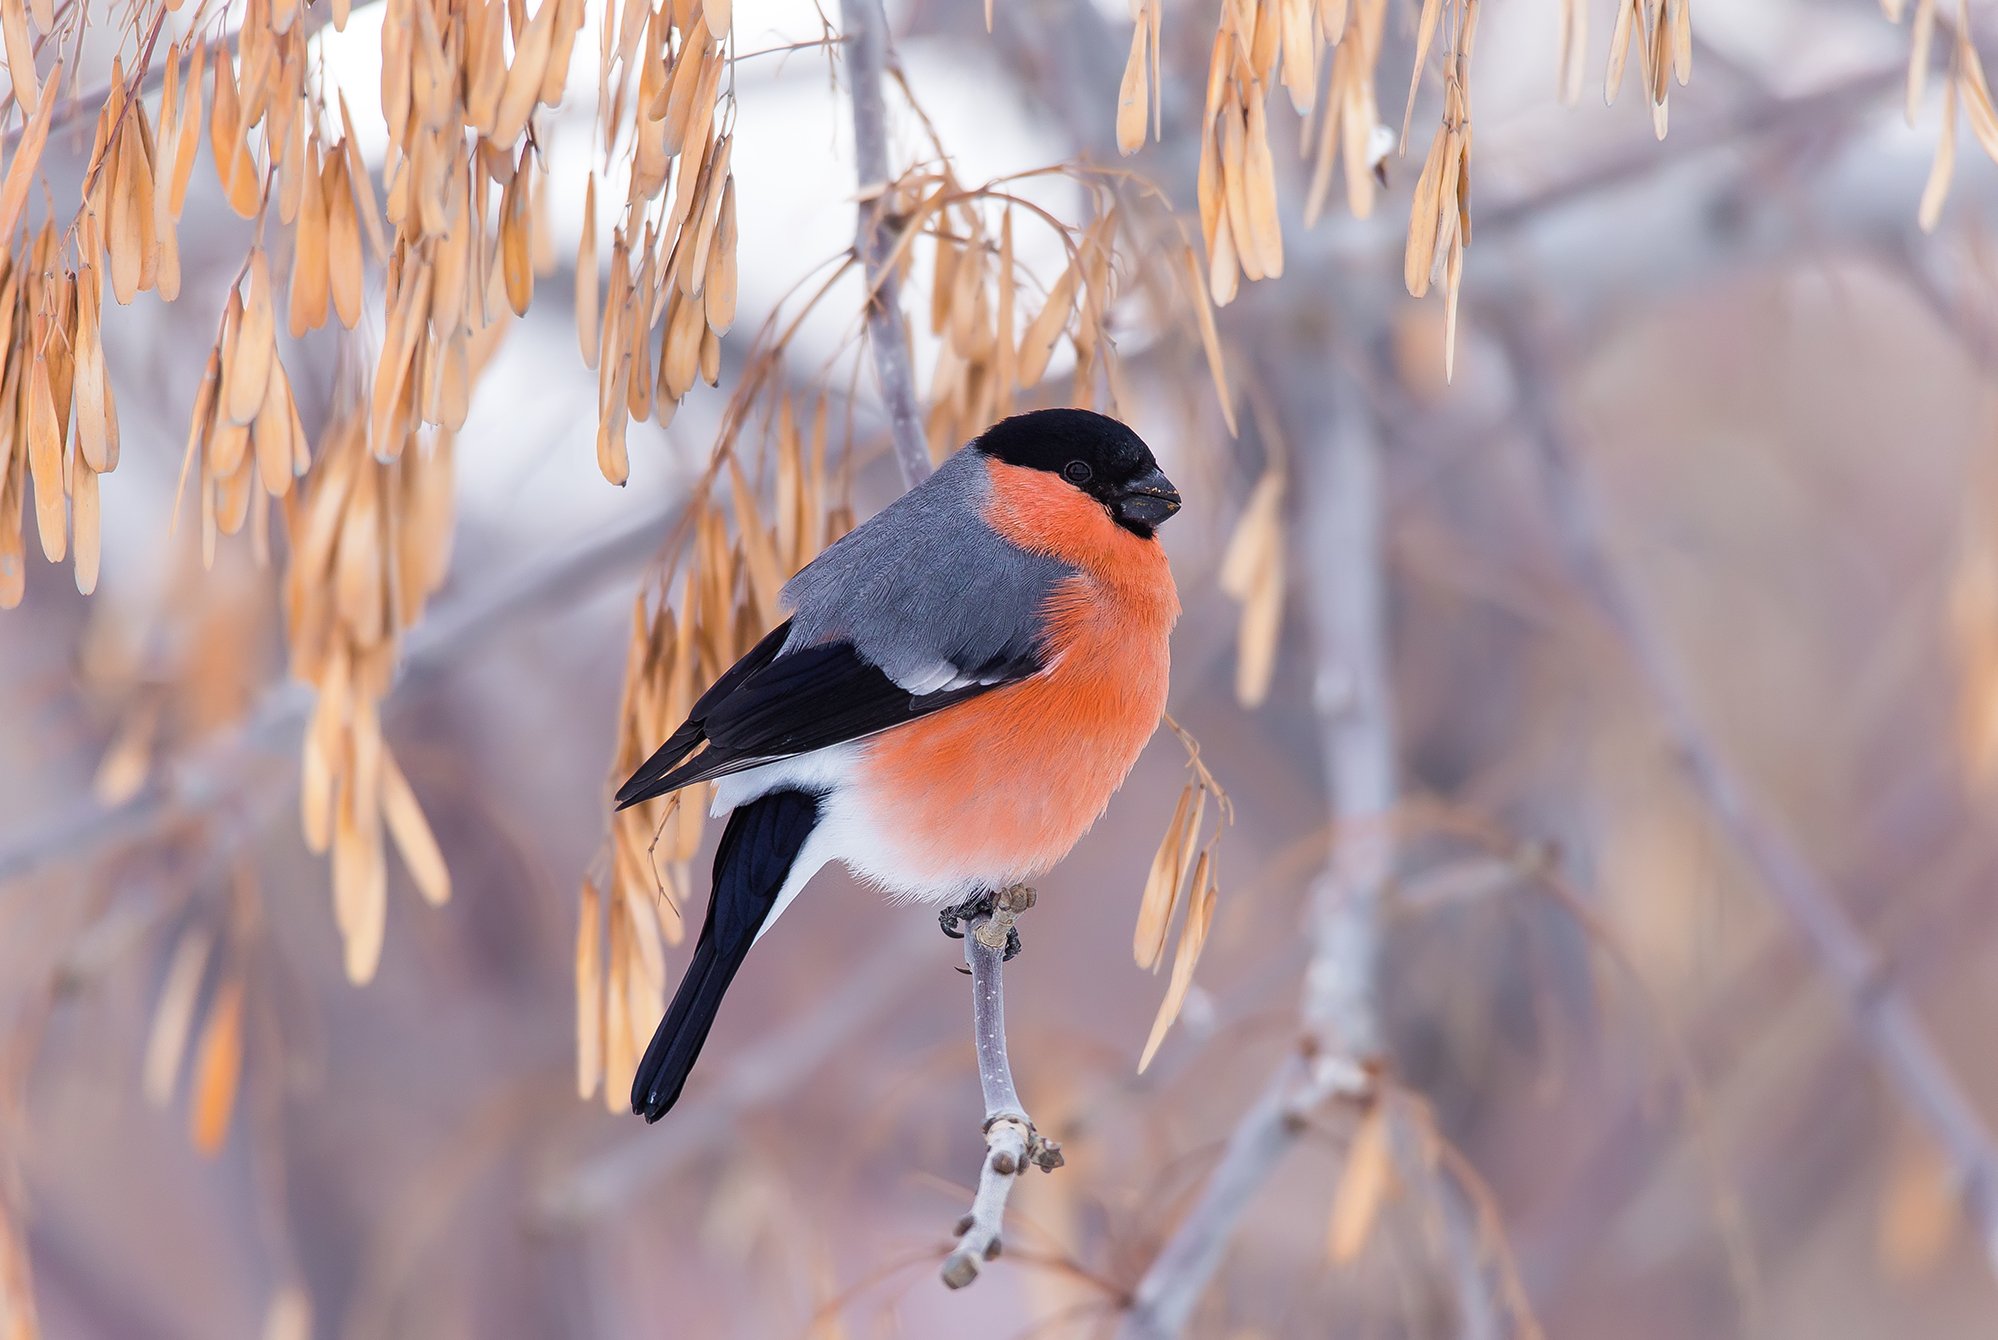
(964, 681)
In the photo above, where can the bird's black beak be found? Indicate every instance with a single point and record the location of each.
(1144, 502)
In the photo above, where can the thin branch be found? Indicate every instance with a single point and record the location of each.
(1011, 1142)
(868, 60)
(1343, 1036)
(1886, 1020)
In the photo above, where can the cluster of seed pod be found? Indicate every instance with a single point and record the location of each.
(996, 342)
(370, 540)
(1349, 129)
(1662, 31)
(1964, 88)
(245, 435)
(727, 599)
(1184, 872)
(1236, 186)
(457, 112)
(1439, 220)
(672, 282)
(58, 425)
(991, 347)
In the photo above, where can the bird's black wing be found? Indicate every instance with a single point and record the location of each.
(770, 706)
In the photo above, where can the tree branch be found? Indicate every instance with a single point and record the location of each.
(1011, 1142)
(868, 60)
(1886, 1021)
(1342, 1046)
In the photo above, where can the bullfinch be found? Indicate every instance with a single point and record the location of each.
(964, 681)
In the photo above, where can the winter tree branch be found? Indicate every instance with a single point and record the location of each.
(868, 60)
(1885, 1018)
(1011, 1142)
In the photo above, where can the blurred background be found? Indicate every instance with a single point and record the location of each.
(1662, 640)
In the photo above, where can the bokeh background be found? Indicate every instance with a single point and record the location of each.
(1685, 591)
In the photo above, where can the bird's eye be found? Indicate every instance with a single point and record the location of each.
(1077, 472)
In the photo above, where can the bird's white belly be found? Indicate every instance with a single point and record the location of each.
(844, 833)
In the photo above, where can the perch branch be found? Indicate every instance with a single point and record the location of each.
(1011, 1142)
(1886, 1020)
(868, 60)
(1342, 1046)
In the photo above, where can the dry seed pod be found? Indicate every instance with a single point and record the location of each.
(20, 55)
(589, 992)
(1364, 1185)
(173, 1015)
(27, 157)
(234, 168)
(94, 417)
(343, 240)
(1162, 885)
(1037, 345)
(187, 132)
(310, 273)
(412, 834)
(248, 367)
(218, 1068)
(1192, 938)
(514, 229)
(719, 295)
(84, 522)
(1134, 92)
(45, 462)
(588, 282)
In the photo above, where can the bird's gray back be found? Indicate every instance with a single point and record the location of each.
(926, 589)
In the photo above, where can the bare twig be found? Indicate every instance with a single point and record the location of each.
(1342, 1050)
(1885, 1019)
(868, 59)
(1011, 1142)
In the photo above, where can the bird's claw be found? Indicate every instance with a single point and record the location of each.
(952, 920)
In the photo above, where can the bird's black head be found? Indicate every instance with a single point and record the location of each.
(1093, 452)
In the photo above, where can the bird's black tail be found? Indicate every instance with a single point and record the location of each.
(755, 856)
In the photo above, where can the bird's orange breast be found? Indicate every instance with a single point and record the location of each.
(1000, 788)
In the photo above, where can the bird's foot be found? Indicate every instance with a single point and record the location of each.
(952, 918)
(994, 912)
